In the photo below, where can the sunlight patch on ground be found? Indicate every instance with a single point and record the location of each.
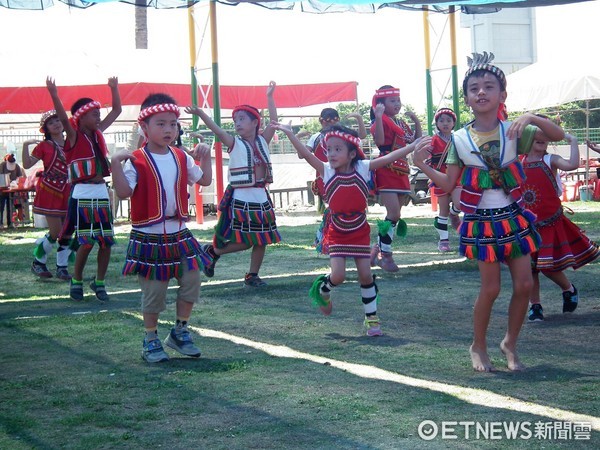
(469, 395)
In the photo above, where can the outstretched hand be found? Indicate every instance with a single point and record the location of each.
(193, 110)
(122, 155)
(51, 85)
(423, 150)
(113, 82)
(518, 126)
(196, 135)
(593, 146)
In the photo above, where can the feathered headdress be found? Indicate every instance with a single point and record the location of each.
(483, 61)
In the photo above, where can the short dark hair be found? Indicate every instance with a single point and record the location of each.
(157, 99)
(480, 73)
(329, 114)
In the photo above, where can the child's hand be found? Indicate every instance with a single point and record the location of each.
(113, 82)
(303, 133)
(423, 150)
(378, 110)
(411, 115)
(287, 129)
(196, 135)
(353, 115)
(193, 110)
(271, 88)
(51, 85)
(121, 156)
(516, 128)
(200, 152)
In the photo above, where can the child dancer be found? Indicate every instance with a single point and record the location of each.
(247, 216)
(445, 119)
(495, 226)
(563, 243)
(156, 177)
(51, 194)
(391, 182)
(347, 232)
(327, 118)
(89, 217)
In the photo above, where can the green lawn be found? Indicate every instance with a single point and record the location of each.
(72, 376)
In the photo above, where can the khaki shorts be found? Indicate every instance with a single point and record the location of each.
(154, 292)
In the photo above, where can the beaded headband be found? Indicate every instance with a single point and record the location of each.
(155, 109)
(483, 61)
(446, 111)
(348, 138)
(85, 108)
(383, 93)
(249, 109)
(47, 115)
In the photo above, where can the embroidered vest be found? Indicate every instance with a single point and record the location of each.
(81, 158)
(148, 201)
(55, 176)
(478, 175)
(241, 163)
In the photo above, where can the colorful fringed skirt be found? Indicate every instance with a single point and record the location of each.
(89, 221)
(563, 245)
(159, 256)
(495, 235)
(245, 222)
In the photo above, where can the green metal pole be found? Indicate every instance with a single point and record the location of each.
(216, 98)
(455, 94)
(428, 71)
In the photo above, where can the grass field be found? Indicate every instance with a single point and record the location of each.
(276, 374)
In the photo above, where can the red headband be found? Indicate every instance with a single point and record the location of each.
(85, 108)
(155, 109)
(446, 111)
(383, 93)
(249, 109)
(348, 138)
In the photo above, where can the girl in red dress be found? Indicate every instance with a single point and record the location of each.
(445, 119)
(391, 181)
(564, 244)
(51, 194)
(347, 232)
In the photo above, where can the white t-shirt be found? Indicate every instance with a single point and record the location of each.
(167, 170)
(361, 166)
(312, 141)
(88, 191)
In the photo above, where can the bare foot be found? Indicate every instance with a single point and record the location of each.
(512, 359)
(481, 360)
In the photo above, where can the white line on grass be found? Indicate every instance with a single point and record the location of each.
(469, 395)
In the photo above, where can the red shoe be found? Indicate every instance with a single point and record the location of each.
(387, 263)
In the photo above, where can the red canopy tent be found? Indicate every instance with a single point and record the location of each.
(28, 100)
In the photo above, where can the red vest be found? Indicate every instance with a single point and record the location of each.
(148, 201)
(82, 159)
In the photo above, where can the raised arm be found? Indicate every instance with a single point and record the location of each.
(270, 131)
(301, 149)
(573, 162)
(382, 161)
(418, 129)
(548, 130)
(223, 135)
(362, 130)
(60, 111)
(115, 111)
(28, 160)
(378, 135)
(593, 146)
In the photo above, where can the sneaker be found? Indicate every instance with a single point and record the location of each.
(181, 341)
(40, 270)
(374, 255)
(536, 313)
(153, 351)
(76, 291)
(386, 262)
(62, 273)
(455, 221)
(570, 300)
(373, 326)
(100, 291)
(253, 281)
(209, 270)
(444, 246)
